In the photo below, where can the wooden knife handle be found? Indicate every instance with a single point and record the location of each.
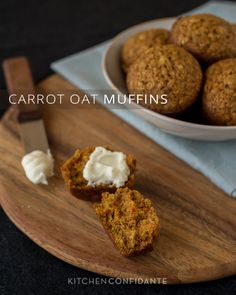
(20, 82)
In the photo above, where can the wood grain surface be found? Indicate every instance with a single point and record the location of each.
(197, 240)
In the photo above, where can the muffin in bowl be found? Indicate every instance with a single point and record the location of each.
(208, 37)
(139, 43)
(219, 95)
(170, 70)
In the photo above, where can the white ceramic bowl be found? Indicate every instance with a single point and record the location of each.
(115, 78)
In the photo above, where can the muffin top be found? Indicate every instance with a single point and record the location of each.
(219, 95)
(206, 36)
(166, 69)
(140, 42)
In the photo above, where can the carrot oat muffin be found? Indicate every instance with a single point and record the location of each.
(219, 95)
(166, 69)
(234, 27)
(91, 171)
(207, 37)
(140, 42)
(129, 219)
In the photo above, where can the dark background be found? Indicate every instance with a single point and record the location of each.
(45, 31)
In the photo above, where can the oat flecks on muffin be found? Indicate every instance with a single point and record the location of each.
(140, 42)
(72, 172)
(234, 27)
(206, 36)
(129, 219)
(219, 95)
(166, 69)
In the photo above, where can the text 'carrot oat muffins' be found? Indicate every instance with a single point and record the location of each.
(93, 170)
(219, 95)
(129, 219)
(207, 37)
(166, 69)
(139, 43)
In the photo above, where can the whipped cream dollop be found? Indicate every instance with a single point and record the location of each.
(38, 166)
(106, 167)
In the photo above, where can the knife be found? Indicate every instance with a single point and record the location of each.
(20, 82)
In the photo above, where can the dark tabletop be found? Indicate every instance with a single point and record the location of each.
(45, 31)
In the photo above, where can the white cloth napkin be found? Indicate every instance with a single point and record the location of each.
(217, 161)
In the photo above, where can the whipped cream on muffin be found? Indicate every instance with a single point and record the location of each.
(106, 167)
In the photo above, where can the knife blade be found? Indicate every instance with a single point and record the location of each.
(20, 82)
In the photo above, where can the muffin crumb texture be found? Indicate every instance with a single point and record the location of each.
(129, 219)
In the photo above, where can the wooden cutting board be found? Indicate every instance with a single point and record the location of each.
(197, 240)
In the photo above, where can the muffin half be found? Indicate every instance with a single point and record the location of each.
(93, 170)
(130, 220)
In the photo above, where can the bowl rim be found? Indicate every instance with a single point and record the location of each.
(147, 111)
